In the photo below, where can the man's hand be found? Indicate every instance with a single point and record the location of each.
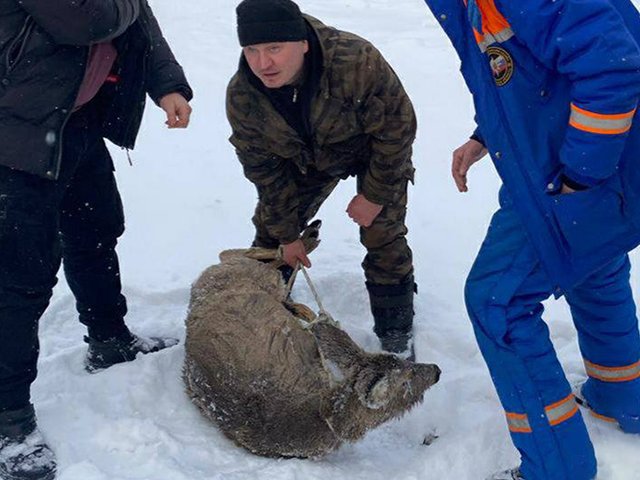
(362, 211)
(463, 157)
(177, 109)
(294, 252)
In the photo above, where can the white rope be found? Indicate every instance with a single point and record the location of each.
(299, 266)
(291, 281)
(315, 292)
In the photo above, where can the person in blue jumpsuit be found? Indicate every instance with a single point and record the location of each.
(555, 86)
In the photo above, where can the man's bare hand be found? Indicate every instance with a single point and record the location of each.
(294, 252)
(463, 157)
(177, 109)
(362, 211)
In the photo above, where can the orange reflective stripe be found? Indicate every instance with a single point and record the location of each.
(601, 131)
(518, 422)
(560, 411)
(613, 374)
(484, 42)
(556, 414)
(602, 417)
(605, 124)
(492, 20)
(495, 28)
(615, 116)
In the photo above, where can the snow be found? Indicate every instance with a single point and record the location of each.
(186, 199)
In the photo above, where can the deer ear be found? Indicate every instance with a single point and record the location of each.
(335, 346)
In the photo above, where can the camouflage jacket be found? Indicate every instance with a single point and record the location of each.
(362, 123)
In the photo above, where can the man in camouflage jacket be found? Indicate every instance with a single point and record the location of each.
(311, 105)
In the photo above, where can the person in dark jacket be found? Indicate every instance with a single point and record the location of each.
(71, 74)
(311, 105)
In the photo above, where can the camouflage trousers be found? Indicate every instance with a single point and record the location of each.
(388, 261)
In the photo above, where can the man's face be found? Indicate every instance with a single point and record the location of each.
(276, 64)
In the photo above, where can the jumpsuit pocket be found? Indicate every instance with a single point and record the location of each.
(591, 219)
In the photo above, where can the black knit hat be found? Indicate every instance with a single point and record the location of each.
(266, 21)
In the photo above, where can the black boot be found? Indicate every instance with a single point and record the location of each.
(125, 348)
(392, 308)
(24, 455)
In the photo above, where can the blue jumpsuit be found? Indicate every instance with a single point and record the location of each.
(556, 86)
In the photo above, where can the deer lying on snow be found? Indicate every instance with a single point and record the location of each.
(277, 381)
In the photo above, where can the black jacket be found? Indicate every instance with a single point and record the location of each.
(44, 48)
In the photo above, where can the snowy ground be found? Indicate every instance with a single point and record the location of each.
(186, 200)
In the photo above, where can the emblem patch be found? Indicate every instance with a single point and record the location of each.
(501, 65)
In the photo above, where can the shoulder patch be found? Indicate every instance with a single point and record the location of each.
(501, 64)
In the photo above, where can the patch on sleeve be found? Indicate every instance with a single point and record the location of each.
(501, 64)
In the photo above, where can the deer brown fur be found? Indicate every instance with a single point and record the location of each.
(276, 385)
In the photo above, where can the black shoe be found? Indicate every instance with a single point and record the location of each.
(399, 343)
(24, 455)
(103, 354)
(511, 474)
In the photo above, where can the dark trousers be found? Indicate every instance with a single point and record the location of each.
(389, 260)
(77, 218)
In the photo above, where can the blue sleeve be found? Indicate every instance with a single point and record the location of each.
(588, 42)
(477, 136)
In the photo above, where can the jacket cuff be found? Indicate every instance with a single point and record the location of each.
(183, 90)
(477, 137)
(380, 193)
(288, 237)
(286, 231)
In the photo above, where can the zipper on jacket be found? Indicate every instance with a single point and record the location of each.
(18, 44)
(54, 170)
(127, 128)
(146, 32)
(558, 291)
(129, 157)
